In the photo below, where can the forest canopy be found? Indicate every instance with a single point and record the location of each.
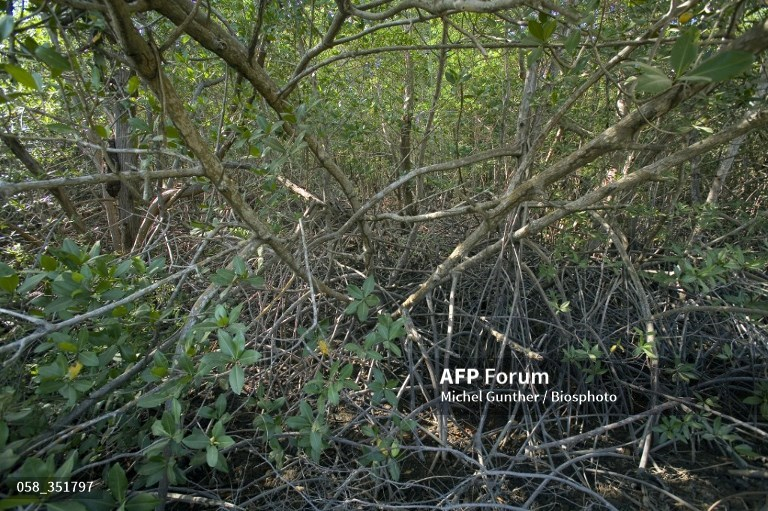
(243, 244)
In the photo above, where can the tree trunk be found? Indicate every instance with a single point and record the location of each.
(129, 221)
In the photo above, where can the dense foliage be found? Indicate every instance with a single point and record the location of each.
(242, 241)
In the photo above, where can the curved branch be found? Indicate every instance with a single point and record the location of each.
(8, 189)
(755, 40)
(452, 6)
(147, 65)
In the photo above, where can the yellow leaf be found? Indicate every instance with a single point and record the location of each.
(74, 370)
(685, 17)
(322, 345)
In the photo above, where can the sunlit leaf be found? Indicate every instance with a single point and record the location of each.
(133, 84)
(22, 76)
(9, 279)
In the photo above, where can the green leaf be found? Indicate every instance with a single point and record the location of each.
(534, 56)
(117, 482)
(211, 360)
(225, 441)
(536, 29)
(62, 129)
(353, 348)
(239, 266)
(228, 345)
(572, 43)
(3, 434)
(693, 78)
(316, 440)
(394, 470)
(255, 281)
(249, 357)
(451, 76)
(548, 28)
(223, 277)
(53, 59)
(9, 279)
(133, 84)
(211, 456)
(724, 65)
(168, 390)
(237, 379)
(169, 422)
(306, 409)
(65, 470)
(362, 311)
(351, 308)
(88, 359)
(197, 440)
(48, 263)
(368, 285)
(333, 395)
(158, 429)
(652, 83)
(355, 292)
(346, 371)
(6, 27)
(139, 125)
(66, 505)
(142, 502)
(296, 423)
(684, 51)
(101, 131)
(645, 68)
(218, 429)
